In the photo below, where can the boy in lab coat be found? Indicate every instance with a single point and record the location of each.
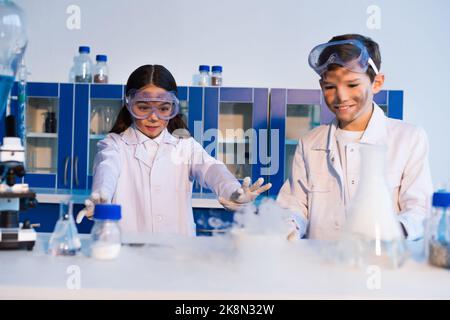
(325, 169)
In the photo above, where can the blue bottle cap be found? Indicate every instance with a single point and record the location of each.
(84, 49)
(101, 57)
(203, 68)
(216, 68)
(107, 212)
(441, 199)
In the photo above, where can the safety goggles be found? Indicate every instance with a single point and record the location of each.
(142, 104)
(350, 54)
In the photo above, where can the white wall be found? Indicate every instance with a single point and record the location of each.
(259, 43)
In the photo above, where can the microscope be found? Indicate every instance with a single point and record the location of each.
(14, 197)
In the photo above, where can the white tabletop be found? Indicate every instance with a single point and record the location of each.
(210, 268)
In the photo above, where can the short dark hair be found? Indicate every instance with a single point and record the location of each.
(349, 52)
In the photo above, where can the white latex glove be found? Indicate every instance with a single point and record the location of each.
(294, 234)
(245, 194)
(89, 204)
(297, 227)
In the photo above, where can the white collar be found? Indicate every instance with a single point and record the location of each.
(134, 136)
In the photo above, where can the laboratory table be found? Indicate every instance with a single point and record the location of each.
(218, 267)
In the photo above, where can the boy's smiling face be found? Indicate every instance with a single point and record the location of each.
(349, 95)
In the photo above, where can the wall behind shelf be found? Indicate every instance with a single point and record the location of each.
(261, 43)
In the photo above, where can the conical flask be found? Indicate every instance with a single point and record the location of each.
(372, 234)
(65, 240)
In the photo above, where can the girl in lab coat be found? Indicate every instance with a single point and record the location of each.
(325, 169)
(149, 170)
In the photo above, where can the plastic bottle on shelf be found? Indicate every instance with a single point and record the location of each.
(82, 69)
(203, 77)
(101, 69)
(216, 76)
(105, 234)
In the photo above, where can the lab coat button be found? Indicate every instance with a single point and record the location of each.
(159, 218)
(336, 225)
(353, 181)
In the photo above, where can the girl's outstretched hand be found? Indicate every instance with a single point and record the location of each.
(89, 204)
(245, 194)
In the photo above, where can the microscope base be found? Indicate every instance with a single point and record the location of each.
(17, 239)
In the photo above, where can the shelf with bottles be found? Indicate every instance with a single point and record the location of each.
(42, 115)
(41, 142)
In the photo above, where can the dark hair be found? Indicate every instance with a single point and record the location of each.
(139, 78)
(349, 52)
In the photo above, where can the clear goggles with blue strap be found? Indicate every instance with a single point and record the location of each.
(142, 104)
(350, 54)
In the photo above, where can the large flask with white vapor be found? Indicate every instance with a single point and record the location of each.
(372, 234)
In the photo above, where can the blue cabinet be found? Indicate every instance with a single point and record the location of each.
(254, 131)
(236, 125)
(96, 109)
(235, 129)
(49, 133)
(294, 112)
(62, 157)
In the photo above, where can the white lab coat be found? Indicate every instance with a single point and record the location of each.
(155, 190)
(314, 191)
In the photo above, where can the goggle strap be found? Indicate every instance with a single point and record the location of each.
(374, 67)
